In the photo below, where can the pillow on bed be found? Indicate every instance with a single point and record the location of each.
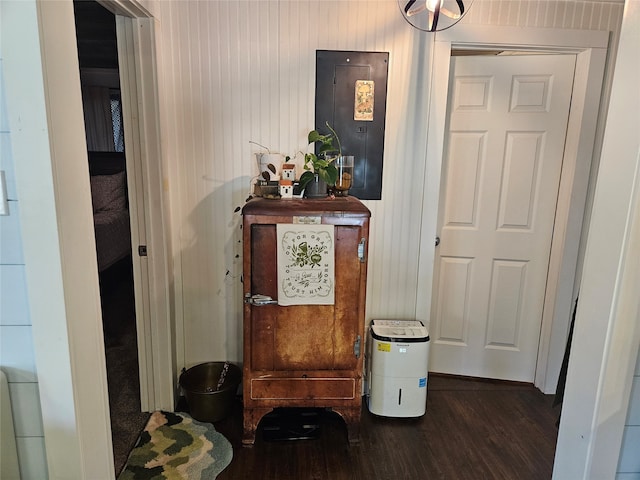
(108, 192)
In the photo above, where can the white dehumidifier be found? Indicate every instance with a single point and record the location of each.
(397, 365)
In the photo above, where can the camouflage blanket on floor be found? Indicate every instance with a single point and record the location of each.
(174, 446)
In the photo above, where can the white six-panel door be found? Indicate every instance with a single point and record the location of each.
(503, 157)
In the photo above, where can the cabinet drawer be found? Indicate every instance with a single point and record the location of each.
(303, 388)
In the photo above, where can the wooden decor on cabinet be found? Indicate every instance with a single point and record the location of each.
(303, 355)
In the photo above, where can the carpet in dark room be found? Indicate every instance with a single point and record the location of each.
(119, 322)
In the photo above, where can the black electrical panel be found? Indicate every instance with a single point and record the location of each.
(351, 94)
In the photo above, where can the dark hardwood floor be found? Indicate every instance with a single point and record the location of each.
(472, 429)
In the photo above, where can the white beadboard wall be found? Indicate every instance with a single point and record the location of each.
(233, 72)
(17, 359)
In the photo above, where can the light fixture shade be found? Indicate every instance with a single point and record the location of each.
(433, 15)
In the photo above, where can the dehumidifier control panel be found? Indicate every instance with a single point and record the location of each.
(399, 331)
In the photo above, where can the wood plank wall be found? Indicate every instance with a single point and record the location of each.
(234, 72)
(17, 359)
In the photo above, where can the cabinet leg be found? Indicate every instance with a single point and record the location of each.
(251, 418)
(351, 417)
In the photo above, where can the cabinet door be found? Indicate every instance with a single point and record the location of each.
(305, 337)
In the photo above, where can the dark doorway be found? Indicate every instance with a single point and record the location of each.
(98, 59)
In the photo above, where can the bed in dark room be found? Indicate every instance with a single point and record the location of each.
(110, 207)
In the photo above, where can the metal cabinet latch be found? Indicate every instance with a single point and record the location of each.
(259, 300)
(361, 249)
(356, 347)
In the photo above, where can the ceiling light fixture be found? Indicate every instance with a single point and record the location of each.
(433, 15)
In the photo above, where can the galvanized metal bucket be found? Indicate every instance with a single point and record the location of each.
(210, 389)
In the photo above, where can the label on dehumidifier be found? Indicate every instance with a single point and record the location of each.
(422, 382)
(384, 347)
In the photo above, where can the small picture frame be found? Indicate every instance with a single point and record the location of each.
(363, 105)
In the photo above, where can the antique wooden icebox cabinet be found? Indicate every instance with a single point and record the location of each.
(305, 269)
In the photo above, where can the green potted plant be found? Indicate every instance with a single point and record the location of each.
(321, 171)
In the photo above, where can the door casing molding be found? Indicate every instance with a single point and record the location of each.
(590, 48)
(138, 80)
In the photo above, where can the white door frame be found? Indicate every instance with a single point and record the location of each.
(40, 64)
(138, 85)
(590, 48)
(607, 332)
